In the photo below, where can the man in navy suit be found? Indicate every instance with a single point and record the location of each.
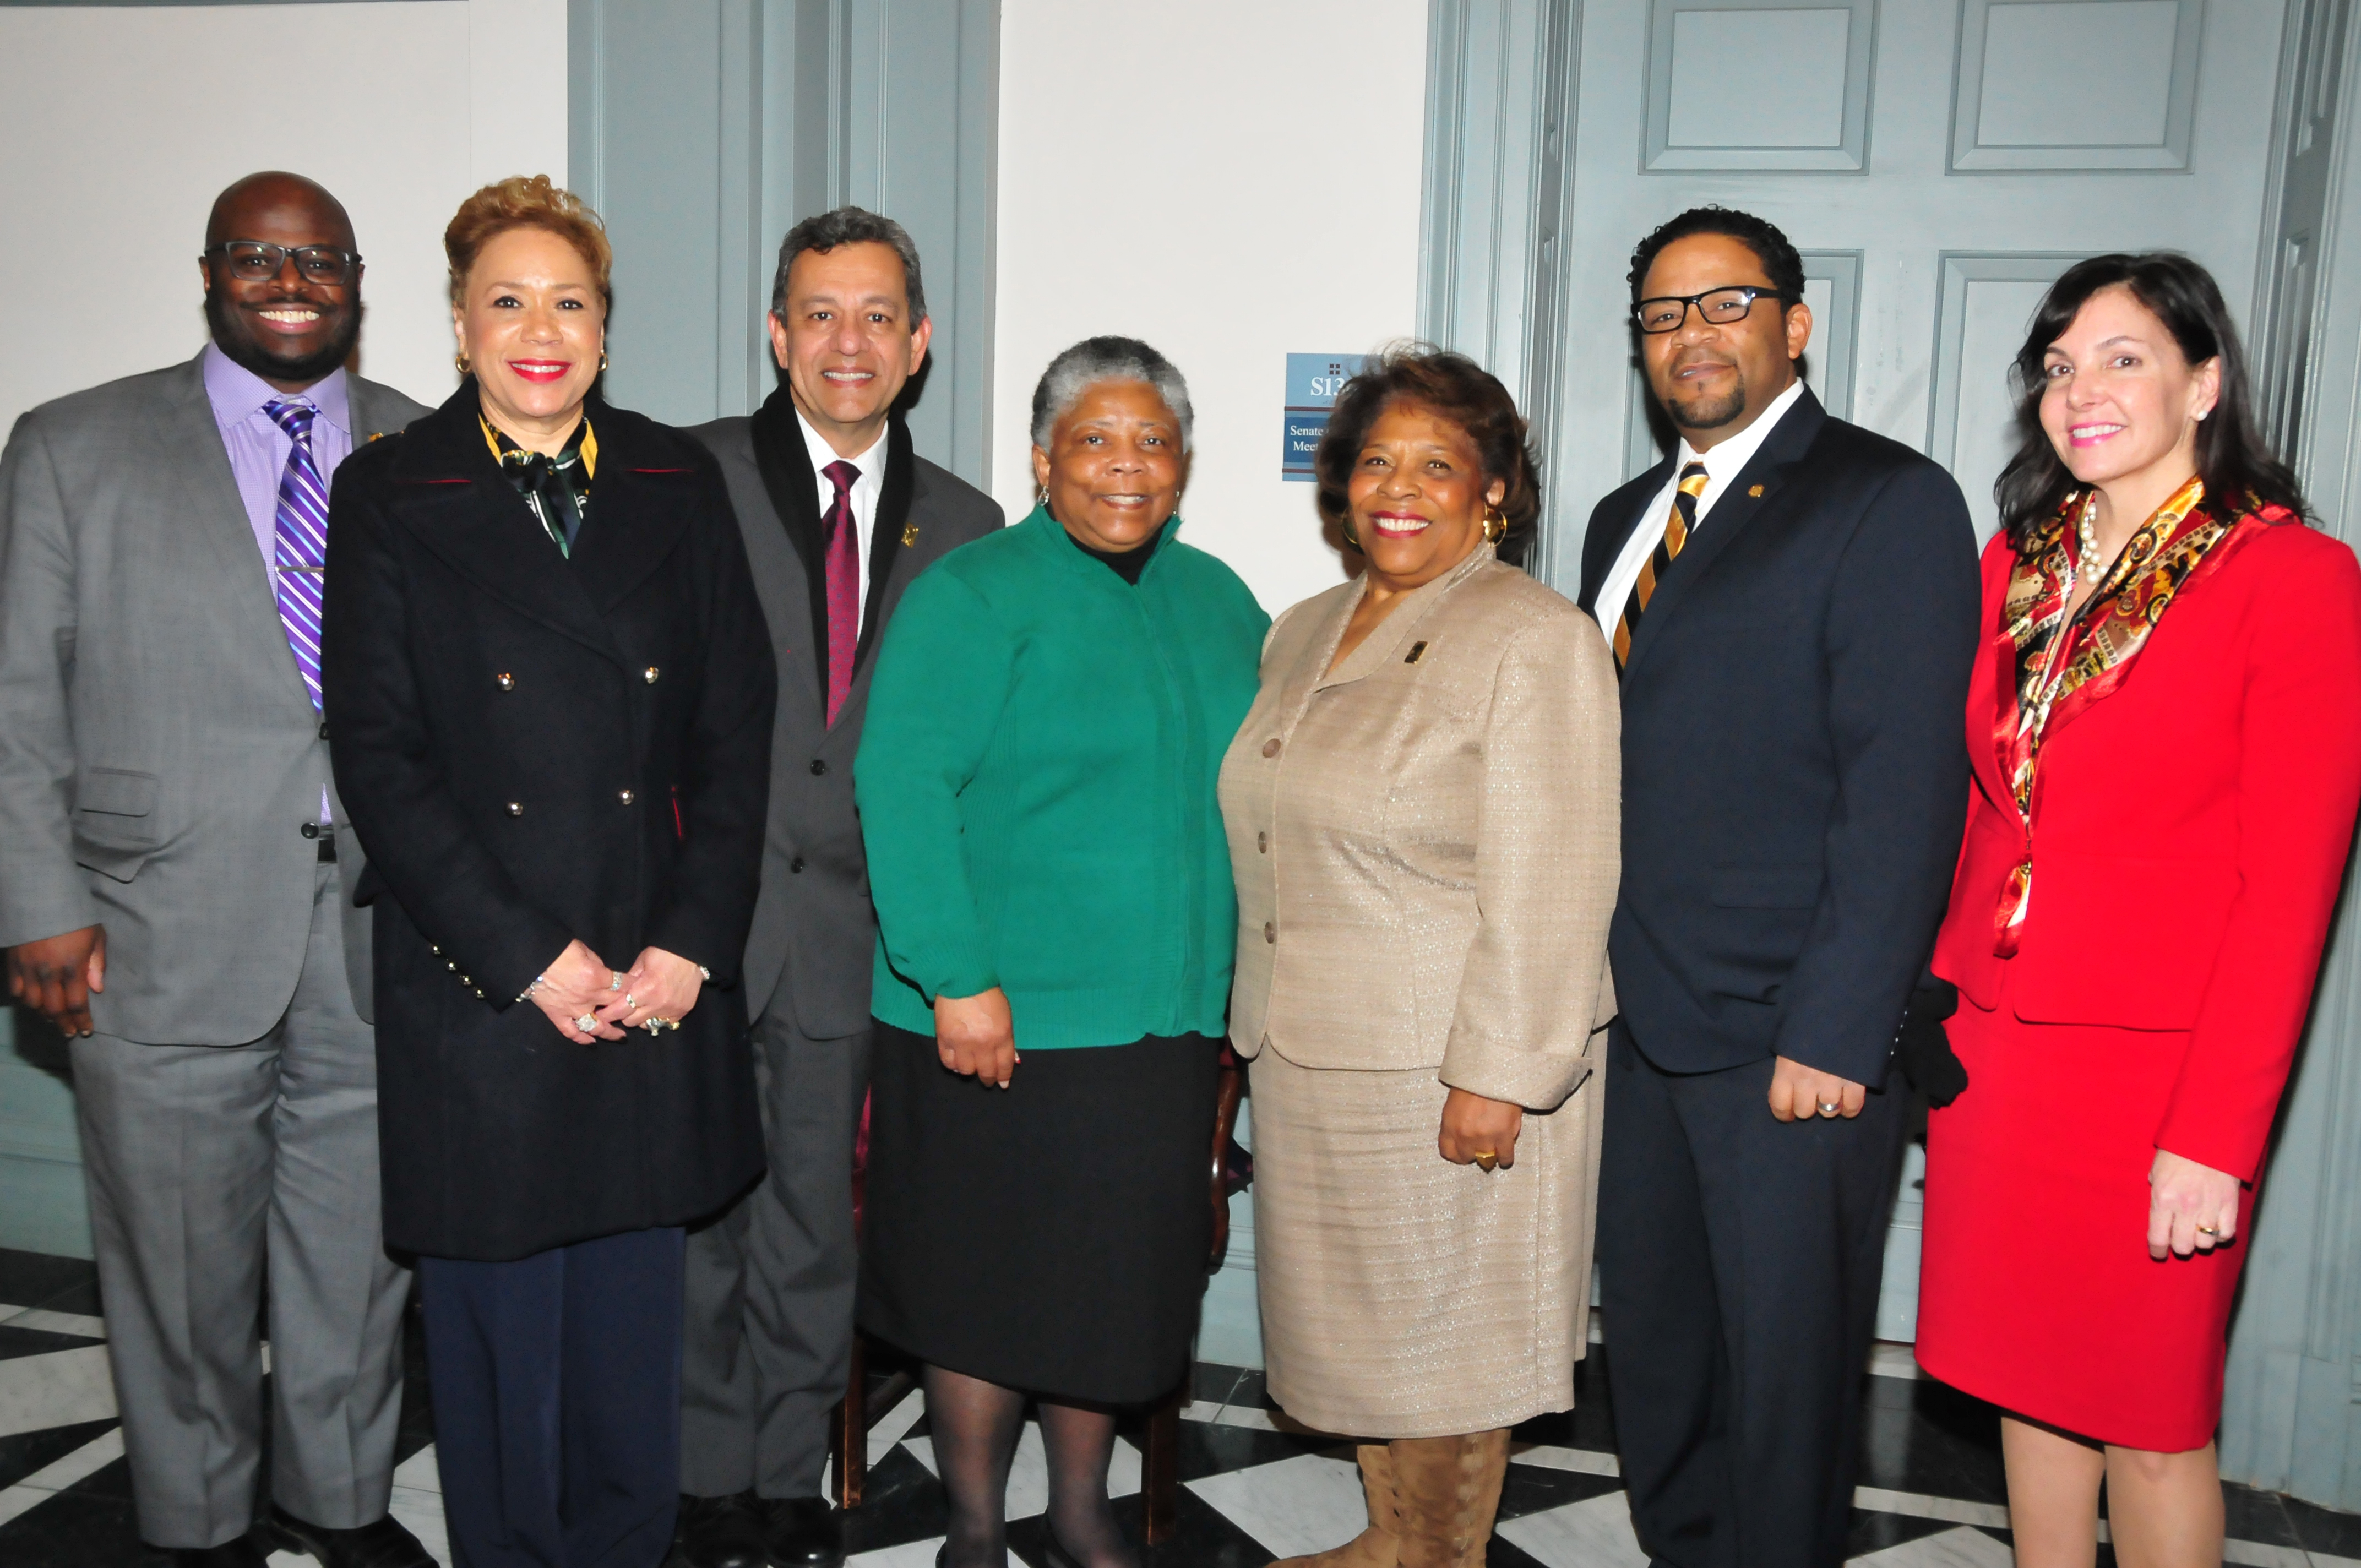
(1792, 604)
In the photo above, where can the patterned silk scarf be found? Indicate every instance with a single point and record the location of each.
(2060, 666)
(556, 490)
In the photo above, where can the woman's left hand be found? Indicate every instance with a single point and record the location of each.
(1475, 1129)
(2192, 1208)
(657, 986)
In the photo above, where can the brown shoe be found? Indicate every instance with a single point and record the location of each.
(1378, 1546)
(1446, 1490)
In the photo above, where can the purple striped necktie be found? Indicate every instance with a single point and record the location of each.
(300, 542)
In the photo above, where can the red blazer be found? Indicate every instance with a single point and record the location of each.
(2190, 837)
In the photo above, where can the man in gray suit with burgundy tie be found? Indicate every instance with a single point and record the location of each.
(839, 515)
(173, 880)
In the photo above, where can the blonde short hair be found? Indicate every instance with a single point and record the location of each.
(522, 201)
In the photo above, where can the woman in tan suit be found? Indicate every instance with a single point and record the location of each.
(1423, 820)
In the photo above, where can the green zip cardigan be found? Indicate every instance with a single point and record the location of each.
(1037, 788)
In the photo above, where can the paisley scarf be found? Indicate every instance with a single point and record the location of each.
(2060, 666)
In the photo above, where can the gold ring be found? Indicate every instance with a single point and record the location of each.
(1486, 1160)
(2209, 1230)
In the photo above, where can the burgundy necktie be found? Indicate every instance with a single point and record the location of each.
(844, 585)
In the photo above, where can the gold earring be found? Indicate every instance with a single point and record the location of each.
(1495, 526)
(460, 363)
(1352, 538)
(602, 362)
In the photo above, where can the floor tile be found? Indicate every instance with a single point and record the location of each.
(54, 1389)
(61, 1474)
(1296, 1507)
(2323, 1531)
(37, 1280)
(1871, 1535)
(26, 1453)
(1955, 1547)
(72, 1531)
(1593, 1533)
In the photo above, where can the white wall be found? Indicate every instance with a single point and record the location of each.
(1232, 180)
(118, 125)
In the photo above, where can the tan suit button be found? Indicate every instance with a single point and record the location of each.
(1269, 931)
(1262, 843)
(649, 675)
(516, 809)
(505, 680)
(1271, 748)
(625, 797)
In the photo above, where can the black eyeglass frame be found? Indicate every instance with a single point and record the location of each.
(278, 256)
(1688, 303)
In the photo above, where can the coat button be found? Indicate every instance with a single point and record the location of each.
(323, 729)
(516, 809)
(797, 865)
(1271, 748)
(505, 680)
(1269, 931)
(819, 767)
(649, 675)
(1262, 843)
(626, 796)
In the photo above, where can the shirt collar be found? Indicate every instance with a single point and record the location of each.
(1725, 460)
(237, 394)
(870, 462)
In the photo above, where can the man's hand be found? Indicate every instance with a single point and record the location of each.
(977, 1037)
(56, 975)
(2190, 1207)
(1474, 1127)
(1800, 1093)
(575, 987)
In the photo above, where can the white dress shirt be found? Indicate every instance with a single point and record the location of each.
(865, 491)
(1724, 461)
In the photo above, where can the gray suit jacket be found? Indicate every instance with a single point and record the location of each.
(814, 928)
(159, 753)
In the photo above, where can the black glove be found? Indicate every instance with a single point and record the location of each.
(1921, 1047)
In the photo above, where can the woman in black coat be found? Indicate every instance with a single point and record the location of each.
(550, 691)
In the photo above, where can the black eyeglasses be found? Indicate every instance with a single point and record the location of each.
(1720, 306)
(251, 261)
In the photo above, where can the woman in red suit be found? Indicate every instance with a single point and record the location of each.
(2165, 727)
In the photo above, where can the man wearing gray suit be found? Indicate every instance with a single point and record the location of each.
(173, 877)
(840, 514)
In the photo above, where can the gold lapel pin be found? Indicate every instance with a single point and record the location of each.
(1755, 490)
(909, 535)
(1416, 648)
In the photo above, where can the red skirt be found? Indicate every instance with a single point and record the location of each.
(2036, 1289)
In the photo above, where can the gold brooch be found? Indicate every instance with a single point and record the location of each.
(909, 535)
(1755, 490)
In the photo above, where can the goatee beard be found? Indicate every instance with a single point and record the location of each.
(242, 350)
(1709, 414)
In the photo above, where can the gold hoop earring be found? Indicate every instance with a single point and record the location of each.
(1495, 526)
(602, 362)
(460, 363)
(1352, 538)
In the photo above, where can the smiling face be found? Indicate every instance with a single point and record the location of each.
(533, 325)
(288, 330)
(1715, 381)
(1418, 496)
(1114, 467)
(847, 342)
(2119, 400)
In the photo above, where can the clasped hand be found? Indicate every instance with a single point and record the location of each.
(580, 985)
(976, 1037)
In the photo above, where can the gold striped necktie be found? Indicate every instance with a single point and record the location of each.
(1676, 535)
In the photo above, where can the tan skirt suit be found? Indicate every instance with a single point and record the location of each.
(1425, 844)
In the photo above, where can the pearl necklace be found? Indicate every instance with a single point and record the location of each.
(2088, 537)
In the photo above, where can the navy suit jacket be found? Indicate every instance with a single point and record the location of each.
(1795, 775)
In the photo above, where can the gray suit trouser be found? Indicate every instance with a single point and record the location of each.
(769, 1284)
(205, 1163)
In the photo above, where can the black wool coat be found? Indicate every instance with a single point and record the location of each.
(533, 750)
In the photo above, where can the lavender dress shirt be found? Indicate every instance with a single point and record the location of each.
(257, 446)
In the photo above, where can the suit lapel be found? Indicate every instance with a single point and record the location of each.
(639, 513)
(886, 551)
(449, 493)
(1386, 639)
(220, 517)
(1600, 552)
(1756, 490)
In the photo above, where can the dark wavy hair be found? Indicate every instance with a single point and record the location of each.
(1460, 391)
(1770, 245)
(2238, 469)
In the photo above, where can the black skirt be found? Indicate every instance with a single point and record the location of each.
(1050, 1236)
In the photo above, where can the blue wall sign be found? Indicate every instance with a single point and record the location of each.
(1312, 382)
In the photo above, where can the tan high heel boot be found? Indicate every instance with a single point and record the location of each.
(1375, 1546)
(1446, 1490)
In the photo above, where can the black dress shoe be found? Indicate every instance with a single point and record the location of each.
(243, 1552)
(717, 1532)
(385, 1545)
(804, 1532)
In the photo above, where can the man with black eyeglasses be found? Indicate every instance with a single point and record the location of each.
(176, 894)
(1790, 602)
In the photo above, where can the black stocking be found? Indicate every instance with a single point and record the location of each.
(1080, 1438)
(974, 1425)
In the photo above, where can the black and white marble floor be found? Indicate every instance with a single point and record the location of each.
(1252, 1490)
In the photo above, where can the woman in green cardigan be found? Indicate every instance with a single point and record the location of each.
(1056, 920)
